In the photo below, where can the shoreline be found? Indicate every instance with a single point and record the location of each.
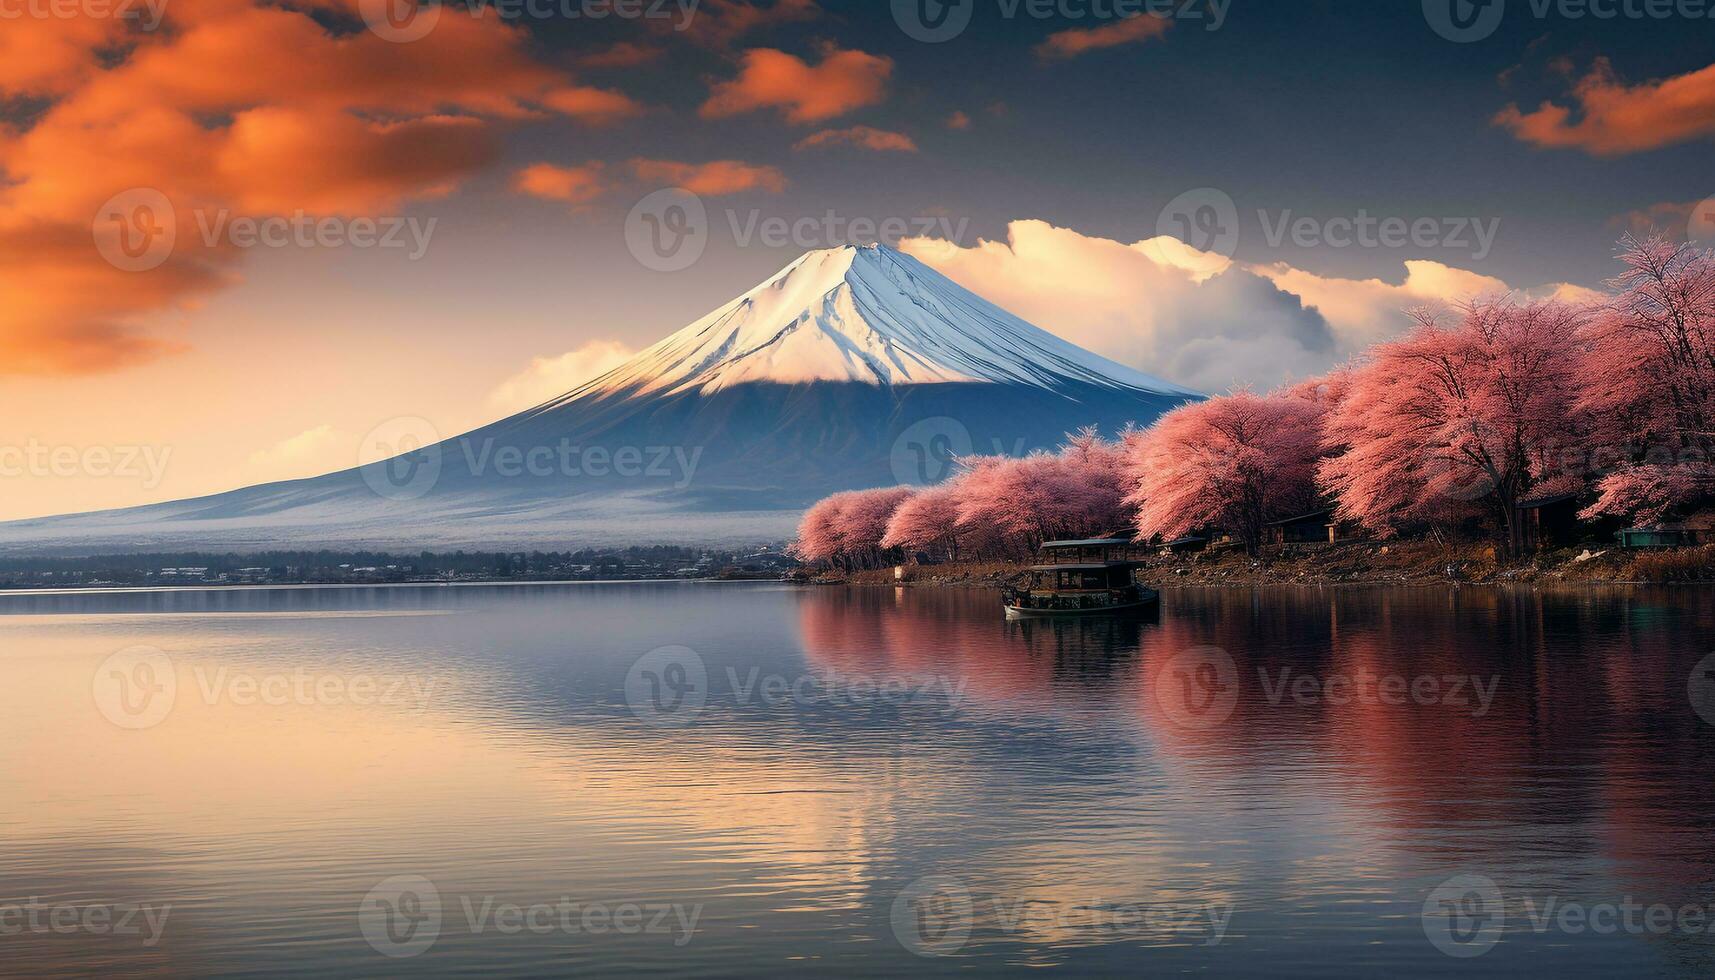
(1362, 563)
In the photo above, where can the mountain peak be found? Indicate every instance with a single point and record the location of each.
(867, 314)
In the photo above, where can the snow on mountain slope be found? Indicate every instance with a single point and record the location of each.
(867, 314)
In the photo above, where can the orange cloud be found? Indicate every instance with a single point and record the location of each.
(596, 106)
(1132, 30)
(575, 185)
(1616, 118)
(232, 106)
(867, 137)
(844, 81)
(959, 120)
(712, 179)
(1671, 215)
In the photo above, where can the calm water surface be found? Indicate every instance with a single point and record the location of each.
(726, 780)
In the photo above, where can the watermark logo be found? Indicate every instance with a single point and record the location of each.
(932, 916)
(1701, 229)
(405, 915)
(668, 687)
(36, 917)
(401, 459)
(1701, 689)
(668, 230)
(1198, 689)
(1206, 219)
(135, 230)
(401, 917)
(933, 21)
(400, 21)
(38, 460)
(1464, 21)
(145, 14)
(1464, 916)
(928, 451)
(136, 688)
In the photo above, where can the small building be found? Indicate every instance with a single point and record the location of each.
(1550, 521)
(1303, 529)
(1185, 545)
(1663, 536)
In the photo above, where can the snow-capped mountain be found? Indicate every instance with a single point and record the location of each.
(866, 314)
(851, 367)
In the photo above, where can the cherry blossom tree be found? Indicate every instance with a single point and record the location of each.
(1447, 419)
(863, 523)
(1649, 382)
(1077, 492)
(927, 521)
(846, 529)
(1234, 462)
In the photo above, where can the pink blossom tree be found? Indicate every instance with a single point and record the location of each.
(1450, 418)
(863, 523)
(1077, 492)
(927, 521)
(846, 529)
(1649, 382)
(1234, 462)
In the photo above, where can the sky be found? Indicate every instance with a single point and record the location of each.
(238, 237)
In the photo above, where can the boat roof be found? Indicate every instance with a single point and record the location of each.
(1087, 542)
(1094, 566)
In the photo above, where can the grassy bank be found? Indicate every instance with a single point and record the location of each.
(1351, 563)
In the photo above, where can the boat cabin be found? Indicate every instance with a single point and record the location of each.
(1089, 565)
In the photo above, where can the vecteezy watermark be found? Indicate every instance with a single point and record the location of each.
(1700, 229)
(936, 21)
(1465, 691)
(668, 230)
(402, 459)
(1465, 21)
(36, 917)
(1700, 689)
(403, 21)
(146, 14)
(1209, 220)
(1198, 689)
(138, 230)
(928, 450)
(669, 687)
(1467, 915)
(138, 687)
(405, 915)
(934, 916)
(38, 460)
(1464, 916)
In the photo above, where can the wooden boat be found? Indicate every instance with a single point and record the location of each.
(1083, 578)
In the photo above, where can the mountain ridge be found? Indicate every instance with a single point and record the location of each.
(849, 368)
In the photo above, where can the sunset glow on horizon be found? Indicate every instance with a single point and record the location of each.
(236, 237)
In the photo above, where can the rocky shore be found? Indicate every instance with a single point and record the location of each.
(1418, 562)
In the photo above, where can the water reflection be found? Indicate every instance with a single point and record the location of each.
(1309, 764)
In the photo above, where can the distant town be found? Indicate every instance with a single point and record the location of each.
(192, 569)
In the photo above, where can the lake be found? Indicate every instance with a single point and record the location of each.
(753, 779)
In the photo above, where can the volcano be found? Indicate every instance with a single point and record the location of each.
(852, 367)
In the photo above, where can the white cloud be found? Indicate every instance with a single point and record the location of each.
(550, 377)
(1194, 317)
(323, 449)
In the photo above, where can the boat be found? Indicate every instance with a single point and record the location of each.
(1095, 576)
